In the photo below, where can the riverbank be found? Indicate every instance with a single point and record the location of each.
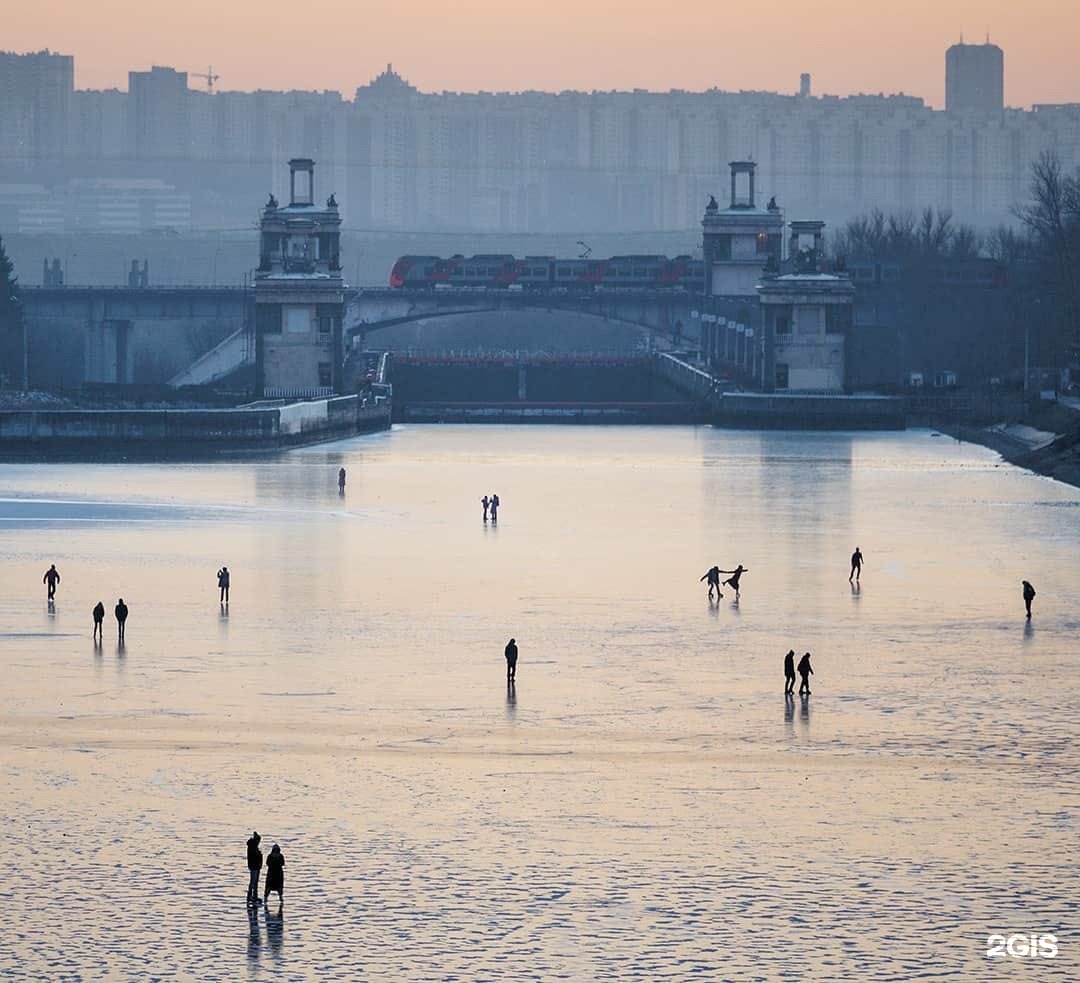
(1047, 442)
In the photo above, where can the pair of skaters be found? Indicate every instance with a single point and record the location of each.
(121, 614)
(275, 871)
(712, 575)
(789, 673)
(491, 505)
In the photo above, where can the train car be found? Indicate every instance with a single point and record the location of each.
(502, 271)
(413, 272)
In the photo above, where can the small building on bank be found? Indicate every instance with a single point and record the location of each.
(806, 317)
(299, 294)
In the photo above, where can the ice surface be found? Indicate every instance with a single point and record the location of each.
(646, 807)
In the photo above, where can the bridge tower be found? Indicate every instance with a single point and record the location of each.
(299, 293)
(741, 240)
(806, 317)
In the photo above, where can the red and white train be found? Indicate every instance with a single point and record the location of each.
(546, 272)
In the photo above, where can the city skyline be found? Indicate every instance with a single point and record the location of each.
(884, 50)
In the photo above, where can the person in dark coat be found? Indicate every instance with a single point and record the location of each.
(341, 481)
(511, 654)
(856, 564)
(712, 575)
(51, 579)
(806, 672)
(275, 874)
(789, 671)
(99, 618)
(254, 862)
(223, 579)
(121, 612)
(733, 580)
(485, 501)
(1029, 596)
(494, 507)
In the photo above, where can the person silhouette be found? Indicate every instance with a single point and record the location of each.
(485, 501)
(51, 578)
(99, 618)
(121, 612)
(1029, 596)
(789, 672)
(494, 507)
(254, 862)
(856, 564)
(511, 653)
(223, 579)
(341, 481)
(733, 580)
(713, 577)
(806, 672)
(275, 874)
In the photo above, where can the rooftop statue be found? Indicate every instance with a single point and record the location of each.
(271, 202)
(712, 206)
(773, 206)
(331, 202)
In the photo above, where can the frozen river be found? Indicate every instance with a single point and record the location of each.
(646, 805)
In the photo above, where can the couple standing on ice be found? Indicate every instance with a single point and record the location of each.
(275, 871)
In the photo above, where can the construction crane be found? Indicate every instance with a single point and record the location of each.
(210, 77)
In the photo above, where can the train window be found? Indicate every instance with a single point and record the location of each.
(563, 271)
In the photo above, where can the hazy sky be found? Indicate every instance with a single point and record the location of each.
(847, 45)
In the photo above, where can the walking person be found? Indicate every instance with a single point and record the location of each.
(485, 501)
(789, 672)
(51, 578)
(341, 481)
(494, 507)
(713, 577)
(275, 874)
(511, 653)
(806, 672)
(733, 580)
(856, 564)
(254, 862)
(223, 579)
(1029, 596)
(99, 618)
(121, 612)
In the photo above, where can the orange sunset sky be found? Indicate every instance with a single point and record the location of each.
(468, 45)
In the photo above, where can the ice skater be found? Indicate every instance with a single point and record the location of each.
(51, 578)
(511, 653)
(806, 672)
(486, 502)
(254, 862)
(341, 481)
(494, 507)
(223, 579)
(789, 672)
(121, 612)
(856, 564)
(1029, 596)
(733, 580)
(275, 874)
(99, 619)
(712, 575)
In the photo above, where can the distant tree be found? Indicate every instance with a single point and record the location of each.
(11, 323)
(906, 237)
(1052, 218)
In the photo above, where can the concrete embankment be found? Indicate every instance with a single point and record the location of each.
(257, 428)
(1048, 443)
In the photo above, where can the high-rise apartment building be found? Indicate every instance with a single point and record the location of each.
(974, 78)
(159, 116)
(35, 103)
